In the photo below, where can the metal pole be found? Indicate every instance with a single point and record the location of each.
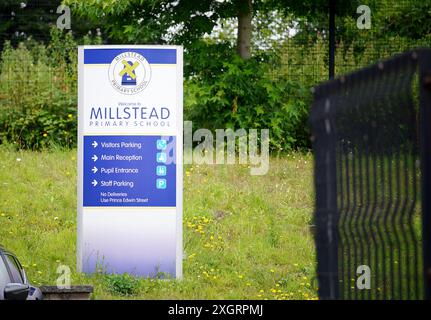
(331, 39)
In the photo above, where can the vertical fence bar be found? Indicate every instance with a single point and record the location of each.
(425, 124)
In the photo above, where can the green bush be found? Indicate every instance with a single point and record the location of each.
(123, 284)
(38, 92)
(233, 93)
(38, 84)
(40, 128)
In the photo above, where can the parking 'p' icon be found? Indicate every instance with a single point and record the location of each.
(161, 183)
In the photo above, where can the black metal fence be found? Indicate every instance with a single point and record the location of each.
(372, 144)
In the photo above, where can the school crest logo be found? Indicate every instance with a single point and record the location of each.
(129, 73)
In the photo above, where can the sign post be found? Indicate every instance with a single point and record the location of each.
(130, 129)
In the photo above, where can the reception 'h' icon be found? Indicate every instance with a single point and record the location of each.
(128, 74)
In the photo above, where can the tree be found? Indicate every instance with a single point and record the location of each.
(245, 16)
(167, 21)
(185, 21)
(19, 19)
(170, 21)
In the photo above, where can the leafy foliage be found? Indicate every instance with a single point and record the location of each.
(149, 21)
(20, 20)
(271, 90)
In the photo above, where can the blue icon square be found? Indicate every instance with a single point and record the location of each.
(161, 183)
(161, 144)
(161, 170)
(161, 157)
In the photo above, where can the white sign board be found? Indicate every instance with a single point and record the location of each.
(130, 129)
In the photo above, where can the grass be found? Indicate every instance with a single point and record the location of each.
(245, 237)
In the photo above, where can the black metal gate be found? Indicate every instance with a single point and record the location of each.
(372, 145)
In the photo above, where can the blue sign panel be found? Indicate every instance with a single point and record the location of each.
(136, 171)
